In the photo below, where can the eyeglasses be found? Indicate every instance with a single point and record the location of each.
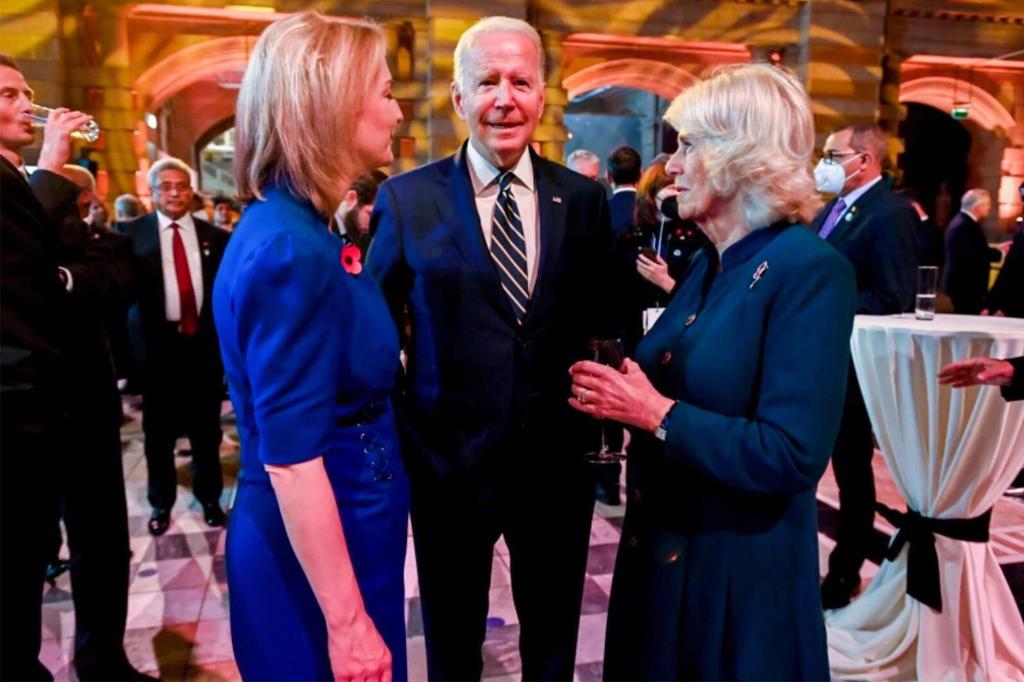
(168, 187)
(831, 155)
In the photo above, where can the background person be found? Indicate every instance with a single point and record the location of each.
(316, 547)
(734, 403)
(968, 256)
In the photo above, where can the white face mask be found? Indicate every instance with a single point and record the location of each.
(830, 177)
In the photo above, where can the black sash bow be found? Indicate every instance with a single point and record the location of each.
(922, 561)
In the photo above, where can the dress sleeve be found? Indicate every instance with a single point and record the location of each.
(289, 333)
(784, 445)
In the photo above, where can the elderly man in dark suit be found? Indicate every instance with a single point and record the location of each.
(875, 230)
(497, 254)
(968, 254)
(60, 409)
(183, 379)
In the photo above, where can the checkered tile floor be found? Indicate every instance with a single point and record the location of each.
(177, 617)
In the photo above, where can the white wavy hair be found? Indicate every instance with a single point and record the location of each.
(752, 126)
(497, 24)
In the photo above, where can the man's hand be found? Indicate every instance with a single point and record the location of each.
(974, 371)
(57, 138)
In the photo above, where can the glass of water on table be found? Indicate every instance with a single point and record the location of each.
(927, 282)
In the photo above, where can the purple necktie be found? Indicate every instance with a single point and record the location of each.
(832, 219)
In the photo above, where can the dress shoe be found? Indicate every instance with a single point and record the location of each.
(159, 520)
(213, 514)
(837, 591)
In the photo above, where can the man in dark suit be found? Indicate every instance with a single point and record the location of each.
(61, 412)
(968, 255)
(498, 255)
(183, 379)
(624, 168)
(875, 230)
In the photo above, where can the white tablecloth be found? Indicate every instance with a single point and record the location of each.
(952, 452)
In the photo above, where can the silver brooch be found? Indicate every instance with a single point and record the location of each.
(758, 274)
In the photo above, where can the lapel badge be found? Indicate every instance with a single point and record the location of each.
(758, 273)
(557, 200)
(690, 319)
(849, 214)
(206, 249)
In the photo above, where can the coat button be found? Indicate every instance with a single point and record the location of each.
(671, 556)
(636, 496)
(666, 357)
(632, 541)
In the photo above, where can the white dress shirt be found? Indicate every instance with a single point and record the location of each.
(484, 177)
(172, 297)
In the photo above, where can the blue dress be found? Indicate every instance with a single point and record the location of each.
(311, 355)
(717, 572)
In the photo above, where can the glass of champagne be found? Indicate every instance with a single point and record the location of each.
(606, 352)
(90, 130)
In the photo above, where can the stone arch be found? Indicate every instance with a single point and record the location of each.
(943, 92)
(188, 66)
(665, 80)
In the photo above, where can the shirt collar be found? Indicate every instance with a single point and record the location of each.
(851, 198)
(483, 173)
(184, 222)
(624, 189)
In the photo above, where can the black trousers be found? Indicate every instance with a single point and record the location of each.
(182, 396)
(851, 462)
(544, 513)
(29, 501)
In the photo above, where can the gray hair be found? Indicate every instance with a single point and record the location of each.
(973, 198)
(170, 163)
(127, 206)
(496, 24)
(582, 157)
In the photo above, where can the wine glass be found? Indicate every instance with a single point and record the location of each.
(606, 352)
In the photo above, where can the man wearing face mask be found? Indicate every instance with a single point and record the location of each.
(874, 229)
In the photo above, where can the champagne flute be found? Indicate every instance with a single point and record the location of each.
(89, 131)
(606, 352)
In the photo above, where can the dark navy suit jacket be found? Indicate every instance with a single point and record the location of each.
(621, 206)
(476, 380)
(878, 236)
(968, 256)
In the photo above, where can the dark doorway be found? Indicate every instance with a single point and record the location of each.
(934, 162)
(603, 119)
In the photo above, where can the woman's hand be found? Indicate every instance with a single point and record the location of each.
(627, 396)
(357, 652)
(655, 272)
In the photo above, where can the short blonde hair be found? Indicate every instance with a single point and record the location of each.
(296, 115)
(497, 24)
(752, 126)
(167, 163)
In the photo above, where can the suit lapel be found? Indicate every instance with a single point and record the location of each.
(551, 208)
(205, 240)
(853, 215)
(149, 249)
(457, 207)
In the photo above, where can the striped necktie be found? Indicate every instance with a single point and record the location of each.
(508, 247)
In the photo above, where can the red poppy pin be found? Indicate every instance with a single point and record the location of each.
(758, 274)
(351, 259)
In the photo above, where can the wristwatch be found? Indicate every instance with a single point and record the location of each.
(662, 431)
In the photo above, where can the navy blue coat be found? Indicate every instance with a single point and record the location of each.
(717, 572)
(968, 258)
(476, 380)
(621, 206)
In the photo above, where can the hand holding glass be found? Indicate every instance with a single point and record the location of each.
(606, 352)
(90, 130)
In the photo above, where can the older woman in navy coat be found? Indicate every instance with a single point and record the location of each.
(734, 402)
(316, 544)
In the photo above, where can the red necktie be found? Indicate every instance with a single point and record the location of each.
(186, 294)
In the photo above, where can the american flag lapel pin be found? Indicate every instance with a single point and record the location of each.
(758, 273)
(557, 200)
